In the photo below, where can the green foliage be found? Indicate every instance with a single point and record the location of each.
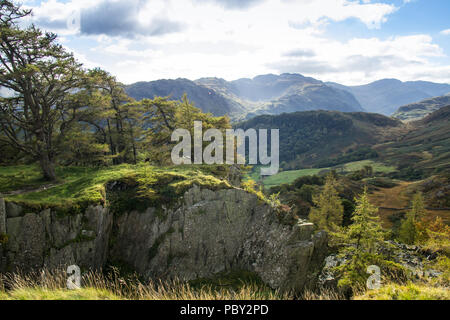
(396, 219)
(113, 121)
(85, 118)
(408, 173)
(309, 180)
(442, 264)
(82, 149)
(251, 187)
(381, 182)
(43, 78)
(274, 200)
(351, 155)
(299, 195)
(359, 170)
(20, 177)
(328, 211)
(367, 168)
(359, 243)
(435, 235)
(409, 232)
(365, 232)
(288, 177)
(418, 207)
(353, 274)
(408, 291)
(163, 116)
(306, 193)
(365, 172)
(349, 208)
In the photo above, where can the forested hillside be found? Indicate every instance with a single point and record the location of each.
(425, 148)
(326, 138)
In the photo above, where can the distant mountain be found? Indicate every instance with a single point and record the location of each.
(323, 138)
(386, 96)
(206, 99)
(245, 98)
(272, 94)
(419, 110)
(276, 94)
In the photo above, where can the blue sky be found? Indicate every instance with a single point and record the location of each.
(346, 41)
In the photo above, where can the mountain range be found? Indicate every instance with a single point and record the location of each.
(276, 94)
(387, 95)
(245, 98)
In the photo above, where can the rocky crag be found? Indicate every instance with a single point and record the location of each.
(205, 233)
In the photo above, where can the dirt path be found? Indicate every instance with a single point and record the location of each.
(29, 190)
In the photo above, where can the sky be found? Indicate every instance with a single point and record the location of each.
(351, 42)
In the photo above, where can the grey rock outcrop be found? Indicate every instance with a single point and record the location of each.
(206, 233)
(220, 231)
(2, 217)
(47, 239)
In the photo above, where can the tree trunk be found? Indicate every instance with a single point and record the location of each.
(48, 168)
(111, 144)
(133, 142)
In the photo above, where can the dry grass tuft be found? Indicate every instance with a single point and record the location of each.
(51, 285)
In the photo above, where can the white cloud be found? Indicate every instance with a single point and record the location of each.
(446, 32)
(202, 12)
(265, 36)
(364, 60)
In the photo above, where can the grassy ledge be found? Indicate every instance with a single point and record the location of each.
(80, 187)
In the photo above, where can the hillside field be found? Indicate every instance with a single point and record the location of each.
(288, 177)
